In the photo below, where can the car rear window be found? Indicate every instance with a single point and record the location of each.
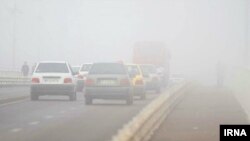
(147, 69)
(107, 68)
(75, 69)
(133, 69)
(86, 67)
(52, 68)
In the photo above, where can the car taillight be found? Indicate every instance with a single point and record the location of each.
(89, 82)
(139, 82)
(80, 77)
(67, 80)
(124, 82)
(35, 80)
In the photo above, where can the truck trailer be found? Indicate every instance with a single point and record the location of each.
(155, 53)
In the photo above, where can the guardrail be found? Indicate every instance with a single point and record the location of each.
(141, 127)
(10, 73)
(13, 78)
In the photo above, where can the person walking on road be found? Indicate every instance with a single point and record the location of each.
(25, 69)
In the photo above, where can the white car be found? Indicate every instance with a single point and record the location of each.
(76, 69)
(85, 70)
(151, 77)
(53, 78)
(79, 78)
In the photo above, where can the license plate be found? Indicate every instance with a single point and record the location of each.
(51, 80)
(107, 82)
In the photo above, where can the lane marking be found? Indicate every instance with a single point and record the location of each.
(195, 128)
(16, 130)
(49, 117)
(12, 97)
(62, 112)
(34, 122)
(14, 102)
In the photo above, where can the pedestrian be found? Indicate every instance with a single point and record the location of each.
(25, 69)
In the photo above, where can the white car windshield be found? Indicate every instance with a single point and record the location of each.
(75, 69)
(86, 67)
(52, 68)
(133, 69)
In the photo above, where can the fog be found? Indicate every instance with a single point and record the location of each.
(198, 33)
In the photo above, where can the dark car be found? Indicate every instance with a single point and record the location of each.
(108, 81)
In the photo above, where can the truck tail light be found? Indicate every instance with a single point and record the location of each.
(35, 80)
(68, 80)
(125, 82)
(89, 82)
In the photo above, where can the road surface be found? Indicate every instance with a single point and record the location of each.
(197, 117)
(57, 119)
(13, 94)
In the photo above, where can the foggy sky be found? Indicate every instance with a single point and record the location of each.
(198, 32)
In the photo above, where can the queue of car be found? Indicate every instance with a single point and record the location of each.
(113, 80)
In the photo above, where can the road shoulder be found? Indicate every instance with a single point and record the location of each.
(198, 116)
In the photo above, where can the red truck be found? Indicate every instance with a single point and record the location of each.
(154, 53)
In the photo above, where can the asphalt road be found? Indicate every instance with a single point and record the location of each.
(13, 94)
(198, 116)
(57, 119)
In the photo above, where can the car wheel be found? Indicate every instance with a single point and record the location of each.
(34, 97)
(88, 101)
(72, 97)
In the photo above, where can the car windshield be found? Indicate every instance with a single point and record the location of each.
(148, 69)
(52, 68)
(75, 69)
(107, 68)
(86, 67)
(133, 69)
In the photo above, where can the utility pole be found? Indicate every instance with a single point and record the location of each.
(247, 33)
(14, 14)
(247, 42)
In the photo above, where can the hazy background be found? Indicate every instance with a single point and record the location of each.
(197, 32)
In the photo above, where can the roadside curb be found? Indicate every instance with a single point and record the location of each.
(143, 125)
